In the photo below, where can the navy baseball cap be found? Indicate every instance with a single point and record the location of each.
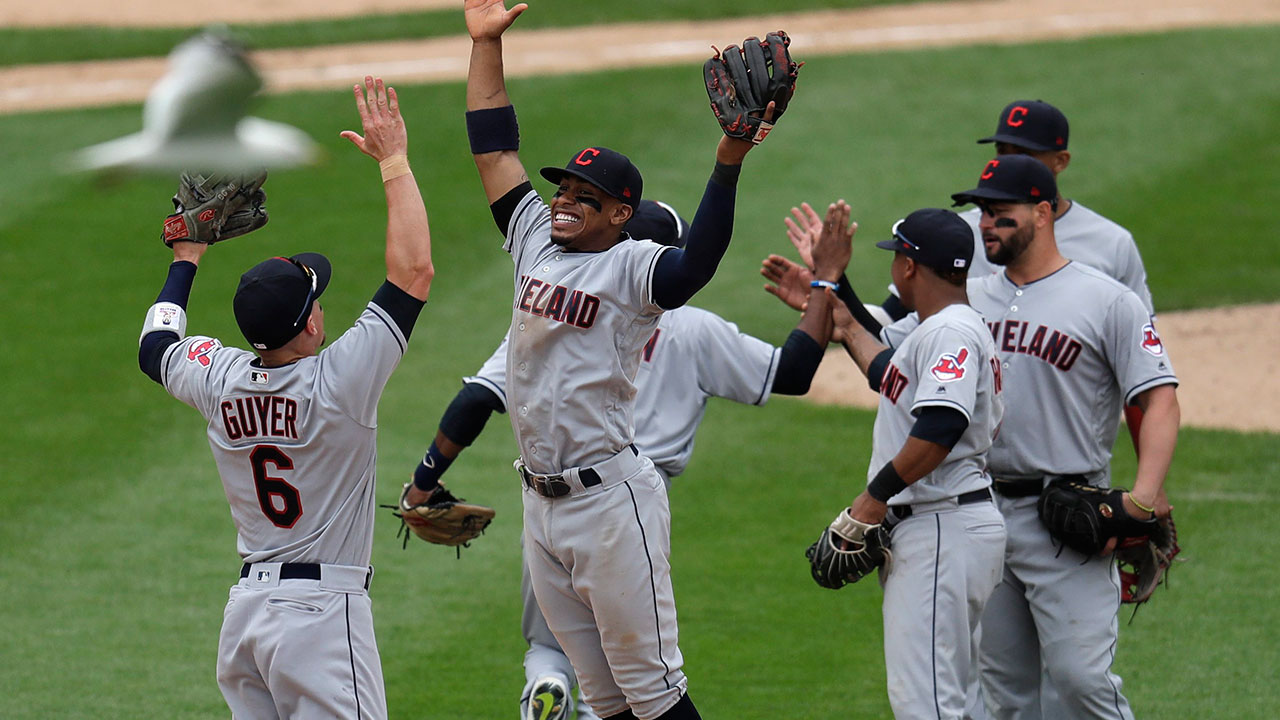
(608, 170)
(1012, 178)
(273, 300)
(659, 222)
(1032, 124)
(934, 237)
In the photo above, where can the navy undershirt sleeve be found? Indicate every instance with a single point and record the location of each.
(845, 292)
(466, 416)
(504, 207)
(400, 305)
(940, 425)
(797, 363)
(176, 290)
(680, 273)
(875, 371)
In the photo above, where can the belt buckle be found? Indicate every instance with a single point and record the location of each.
(545, 485)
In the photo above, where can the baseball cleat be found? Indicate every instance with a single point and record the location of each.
(549, 700)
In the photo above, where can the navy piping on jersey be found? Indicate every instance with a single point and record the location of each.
(351, 653)
(1151, 384)
(933, 628)
(1115, 638)
(657, 621)
(1005, 276)
(769, 375)
(381, 314)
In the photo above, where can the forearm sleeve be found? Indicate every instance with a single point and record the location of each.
(845, 292)
(400, 305)
(176, 290)
(682, 273)
(466, 416)
(797, 363)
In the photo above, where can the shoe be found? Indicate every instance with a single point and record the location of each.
(549, 700)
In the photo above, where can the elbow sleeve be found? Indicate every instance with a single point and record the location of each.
(797, 363)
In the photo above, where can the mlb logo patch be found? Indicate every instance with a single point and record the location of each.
(258, 377)
(264, 576)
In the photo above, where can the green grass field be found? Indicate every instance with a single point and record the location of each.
(19, 46)
(117, 543)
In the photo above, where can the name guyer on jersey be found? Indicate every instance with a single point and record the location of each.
(258, 416)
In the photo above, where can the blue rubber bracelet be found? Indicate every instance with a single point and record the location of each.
(825, 284)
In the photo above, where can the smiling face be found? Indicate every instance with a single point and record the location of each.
(584, 217)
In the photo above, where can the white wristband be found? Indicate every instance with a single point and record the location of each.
(162, 317)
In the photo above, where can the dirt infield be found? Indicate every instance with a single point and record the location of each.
(28, 88)
(1228, 359)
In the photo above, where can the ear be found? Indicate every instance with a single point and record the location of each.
(313, 328)
(1042, 214)
(621, 214)
(1061, 160)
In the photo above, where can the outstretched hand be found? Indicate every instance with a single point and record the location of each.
(790, 281)
(384, 131)
(803, 232)
(488, 19)
(834, 247)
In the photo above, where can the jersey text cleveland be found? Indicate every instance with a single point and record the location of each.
(557, 302)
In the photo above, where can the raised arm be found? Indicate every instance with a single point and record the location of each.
(491, 120)
(386, 140)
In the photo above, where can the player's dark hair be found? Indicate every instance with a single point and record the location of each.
(953, 276)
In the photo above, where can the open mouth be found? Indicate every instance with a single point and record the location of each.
(564, 221)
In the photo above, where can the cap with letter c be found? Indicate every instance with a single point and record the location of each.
(609, 170)
(1031, 124)
(1012, 178)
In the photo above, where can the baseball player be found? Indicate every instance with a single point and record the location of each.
(1075, 345)
(940, 407)
(1038, 129)
(596, 519)
(292, 430)
(692, 356)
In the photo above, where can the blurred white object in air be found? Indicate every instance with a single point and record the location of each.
(194, 120)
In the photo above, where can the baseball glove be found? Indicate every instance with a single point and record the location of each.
(1145, 560)
(847, 551)
(742, 81)
(1084, 517)
(443, 519)
(212, 208)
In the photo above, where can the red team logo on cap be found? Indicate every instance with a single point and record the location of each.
(582, 158)
(1017, 112)
(950, 367)
(989, 170)
(1151, 340)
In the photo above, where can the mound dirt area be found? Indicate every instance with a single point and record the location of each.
(1227, 360)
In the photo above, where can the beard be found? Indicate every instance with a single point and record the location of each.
(1009, 250)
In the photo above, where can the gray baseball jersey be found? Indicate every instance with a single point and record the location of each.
(693, 355)
(1073, 346)
(950, 361)
(947, 556)
(578, 325)
(295, 445)
(1087, 237)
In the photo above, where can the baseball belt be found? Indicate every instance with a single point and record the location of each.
(336, 576)
(562, 483)
(1028, 487)
(902, 512)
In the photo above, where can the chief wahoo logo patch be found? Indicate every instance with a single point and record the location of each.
(950, 367)
(1151, 340)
